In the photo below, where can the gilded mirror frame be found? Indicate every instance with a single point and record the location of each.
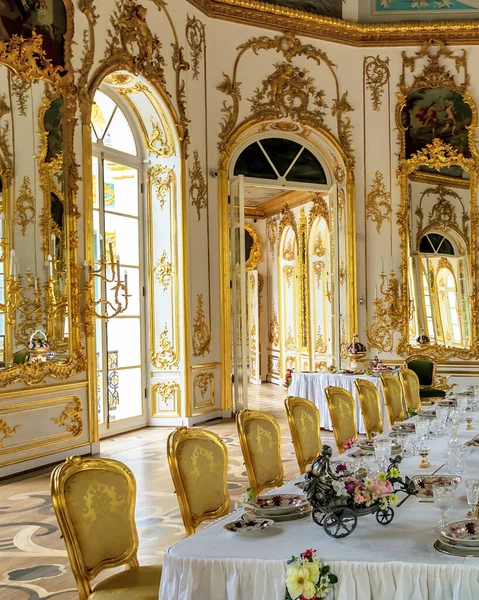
(433, 59)
(254, 257)
(27, 59)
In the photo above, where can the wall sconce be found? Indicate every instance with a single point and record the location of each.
(108, 272)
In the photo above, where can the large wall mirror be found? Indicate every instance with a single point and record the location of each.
(437, 220)
(39, 325)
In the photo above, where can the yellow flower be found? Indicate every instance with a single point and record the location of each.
(302, 580)
(394, 473)
(393, 499)
(381, 476)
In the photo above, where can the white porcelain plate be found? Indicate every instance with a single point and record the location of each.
(464, 533)
(248, 524)
(277, 504)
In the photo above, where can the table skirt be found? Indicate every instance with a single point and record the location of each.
(248, 579)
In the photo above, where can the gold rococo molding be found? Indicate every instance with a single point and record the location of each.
(350, 33)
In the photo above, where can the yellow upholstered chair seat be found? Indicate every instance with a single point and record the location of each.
(304, 424)
(370, 404)
(140, 583)
(342, 409)
(198, 462)
(94, 501)
(411, 388)
(392, 392)
(260, 441)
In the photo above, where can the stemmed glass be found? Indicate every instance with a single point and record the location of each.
(423, 451)
(444, 496)
(441, 416)
(422, 428)
(472, 495)
(382, 450)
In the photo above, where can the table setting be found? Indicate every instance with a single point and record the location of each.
(396, 525)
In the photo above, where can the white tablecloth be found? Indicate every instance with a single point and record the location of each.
(312, 385)
(393, 562)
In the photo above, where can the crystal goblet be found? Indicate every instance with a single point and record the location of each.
(472, 495)
(444, 496)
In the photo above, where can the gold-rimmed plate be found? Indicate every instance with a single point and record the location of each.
(463, 551)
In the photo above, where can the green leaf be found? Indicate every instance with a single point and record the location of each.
(332, 579)
(325, 570)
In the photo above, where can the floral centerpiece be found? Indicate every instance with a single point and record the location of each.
(338, 497)
(288, 378)
(307, 578)
(423, 339)
(38, 346)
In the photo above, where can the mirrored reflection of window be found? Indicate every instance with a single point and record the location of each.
(117, 174)
(442, 304)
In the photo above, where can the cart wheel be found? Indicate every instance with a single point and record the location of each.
(340, 523)
(385, 515)
(318, 517)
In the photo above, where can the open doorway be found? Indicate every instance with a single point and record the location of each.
(285, 300)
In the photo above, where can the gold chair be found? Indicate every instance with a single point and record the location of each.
(260, 441)
(410, 385)
(198, 461)
(370, 404)
(342, 409)
(392, 393)
(94, 501)
(304, 425)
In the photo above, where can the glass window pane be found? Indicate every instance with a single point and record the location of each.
(122, 233)
(102, 110)
(253, 163)
(307, 169)
(124, 338)
(119, 134)
(281, 152)
(129, 393)
(121, 188)
(99, 397)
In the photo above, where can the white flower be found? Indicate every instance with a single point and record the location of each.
(244, 498)
(301, 580)
(339, 488)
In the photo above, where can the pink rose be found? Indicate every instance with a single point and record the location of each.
(382, 488)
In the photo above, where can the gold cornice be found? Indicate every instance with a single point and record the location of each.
(408, 33)
(274, 205)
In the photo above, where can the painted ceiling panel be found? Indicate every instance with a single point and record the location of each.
(327, 8)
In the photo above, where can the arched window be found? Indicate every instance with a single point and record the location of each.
(281, 160)
(435, 243)
(448, 305)
(117, 218)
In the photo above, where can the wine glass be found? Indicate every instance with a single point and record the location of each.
(472, 495)
(422, 428)
(382, 450)
(444, 496)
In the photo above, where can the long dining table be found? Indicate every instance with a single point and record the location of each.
(376, 562)
(312, 385)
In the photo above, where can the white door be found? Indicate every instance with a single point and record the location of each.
(239, 316)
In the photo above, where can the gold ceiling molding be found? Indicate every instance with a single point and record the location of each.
(350, 33)
(196, 37)
(286, 93)
(376, 75)
(198, 189)
(201, 330)
(378, 202)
